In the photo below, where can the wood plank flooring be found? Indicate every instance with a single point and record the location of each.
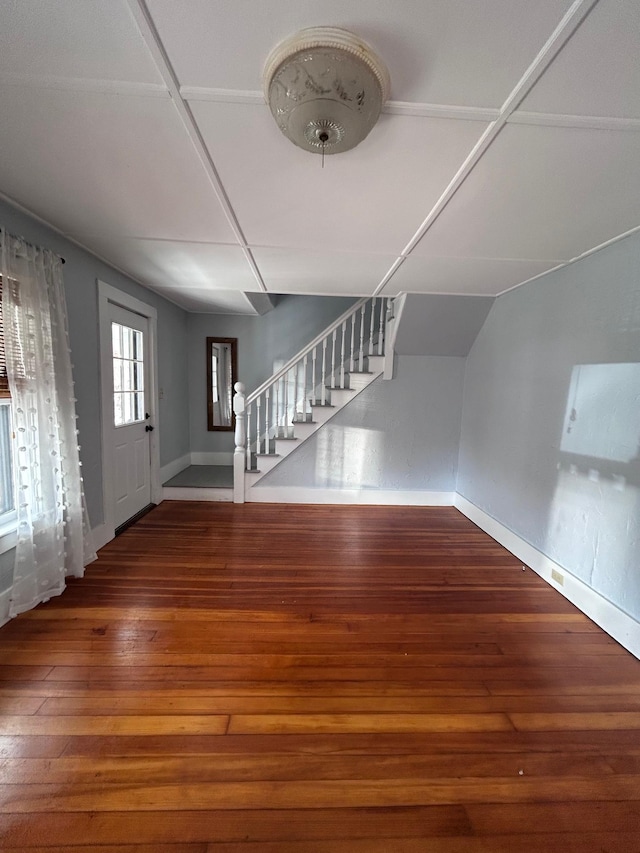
(298, 679)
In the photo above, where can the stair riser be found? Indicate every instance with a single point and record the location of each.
(357, 383)
(321, 415)
(303, 431)
(285, 446)
(340, 397)
(266, 463)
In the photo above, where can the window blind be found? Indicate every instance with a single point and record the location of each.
(4, 380)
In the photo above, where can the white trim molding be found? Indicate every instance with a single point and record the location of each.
(213, 458)
(5, 599)
(189, 493)
(107, 294)
(101, 535)
(173, 468)
(9, 534)
(578, 121)
(380, 497)
(603, 612)
(398, 304)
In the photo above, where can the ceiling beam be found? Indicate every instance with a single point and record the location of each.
(570, 22)
(153, 41)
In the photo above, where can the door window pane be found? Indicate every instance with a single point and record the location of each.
(128, 375)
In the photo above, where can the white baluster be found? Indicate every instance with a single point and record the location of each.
(266, 419)
(305, 365)
(258, 436)
(323, 378)
(361, 359)
(313, 375)
(283, 405)
(371, 329)
(352, 364)
(285, 424)
(249, 437)
(333, 360)
(344, 330)
(381, 329)
(276, 419)
(240, 441)
(296, 392)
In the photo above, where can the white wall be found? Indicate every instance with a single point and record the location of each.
(550, 443)
(400, 435)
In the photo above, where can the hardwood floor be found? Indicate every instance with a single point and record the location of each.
(320, 680)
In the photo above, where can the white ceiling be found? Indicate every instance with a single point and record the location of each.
(510, 145)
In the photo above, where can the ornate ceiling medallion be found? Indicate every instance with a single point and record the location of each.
(325, 88)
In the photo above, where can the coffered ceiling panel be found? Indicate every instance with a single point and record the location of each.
(453, 52)
(138, 127)
(184, 265)
(489, 276)
(598, 73)
(369, 199)
(199, 299)
(116, 165)
(541, 193)
(293, 271)
(73, 38)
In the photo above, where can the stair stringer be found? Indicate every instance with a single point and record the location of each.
(339, 399)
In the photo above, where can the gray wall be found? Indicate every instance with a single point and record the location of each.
(81, 272)
(439, 324)
(551, 419)
(262, 341)
(399, 434)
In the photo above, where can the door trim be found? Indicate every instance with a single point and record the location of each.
(107, 294)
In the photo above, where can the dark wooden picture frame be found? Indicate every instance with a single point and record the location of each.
(221, 421)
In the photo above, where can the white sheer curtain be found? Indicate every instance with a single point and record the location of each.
(54, 538)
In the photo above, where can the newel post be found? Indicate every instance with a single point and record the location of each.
(390, 332)
(241, 440)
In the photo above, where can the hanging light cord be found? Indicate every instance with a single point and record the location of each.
(323, 137)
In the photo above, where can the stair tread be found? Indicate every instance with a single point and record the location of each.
(268, 454)
(286, 438)
(301, 423)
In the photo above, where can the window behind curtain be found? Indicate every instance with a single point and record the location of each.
(7, 495)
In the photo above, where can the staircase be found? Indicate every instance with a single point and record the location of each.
(309, 390)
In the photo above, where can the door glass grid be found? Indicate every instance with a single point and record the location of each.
(128, 375)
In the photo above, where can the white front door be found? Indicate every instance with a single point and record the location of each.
(130, 422)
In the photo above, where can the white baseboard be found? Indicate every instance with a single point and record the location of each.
(101, 535)
(382, 497)
(220, 458)
(4, 606)
(185, 493)
(171, 469)
(608, 616)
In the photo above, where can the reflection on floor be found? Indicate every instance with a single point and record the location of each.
(203, 477)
